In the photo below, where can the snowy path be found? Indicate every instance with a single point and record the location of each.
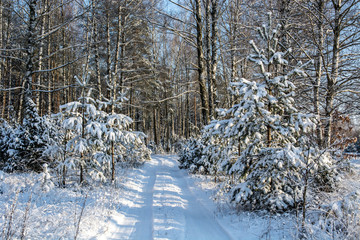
(159, 202)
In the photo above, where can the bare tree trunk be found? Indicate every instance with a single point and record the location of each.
(122, 53)
(82, 134)
(268, 137)
(200, 58)
(187, 111)
(108, 48)
(97, 63)
(155, 127)
(211, 13)
(63, 181)
(20, 112)
(195, 113)
(214, 50)
(95, 47)
(28, 78)
(64, 43)
(318, 69)
(8, 67)
(88, 42)
(284, 9)
(2, 62)
(208, 56)
(116, 56)
(41, 54)
(304, 201)
(10, 98)
(50, 75)
(50, 81)
(233, 29)
(167, 126)
(332, 78)
(112, 162)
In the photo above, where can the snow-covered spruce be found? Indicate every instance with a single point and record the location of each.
(22, 146)
(94, 140)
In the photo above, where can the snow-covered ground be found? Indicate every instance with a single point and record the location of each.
(161, 202)
(156, 201)
(29, 208)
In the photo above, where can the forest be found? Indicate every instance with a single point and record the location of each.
(261, 95)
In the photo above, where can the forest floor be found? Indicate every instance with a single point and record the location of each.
(155, 201)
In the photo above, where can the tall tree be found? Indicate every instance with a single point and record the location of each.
(201, 61)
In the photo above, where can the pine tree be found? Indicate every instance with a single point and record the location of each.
(25, 144)
(267, 128)
(94, 139)
(83, 123)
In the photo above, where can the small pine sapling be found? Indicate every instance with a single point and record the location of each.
(95, 140)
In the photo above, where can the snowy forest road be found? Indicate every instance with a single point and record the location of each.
(159, 202)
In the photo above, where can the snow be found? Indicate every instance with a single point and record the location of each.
(155, 201)
(160, 202)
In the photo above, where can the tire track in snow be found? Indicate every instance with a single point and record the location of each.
(134, 217)
(158, 203)
(179, 210)
(144, 228)
(168, 204)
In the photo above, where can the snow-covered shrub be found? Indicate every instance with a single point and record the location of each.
(6, 133)
(178, 143)
(272, 184)
(277, 180)
(325, 172)
(346, 214)
(46, 182)
(338, 219)
(191, 154)
(23, 145)
(156, 148)
(136, 151)
(218, 154)
(206, 155)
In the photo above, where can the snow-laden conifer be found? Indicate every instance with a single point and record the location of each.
(23, 145)
(266, 127)
(94, 140)
(6, 136)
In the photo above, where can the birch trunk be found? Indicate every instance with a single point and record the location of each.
(318, 68)
(95, 47)
(41, 54)
(332, 78)
(200, 59)
(28, 78)
(214, 57)
(116, 57)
